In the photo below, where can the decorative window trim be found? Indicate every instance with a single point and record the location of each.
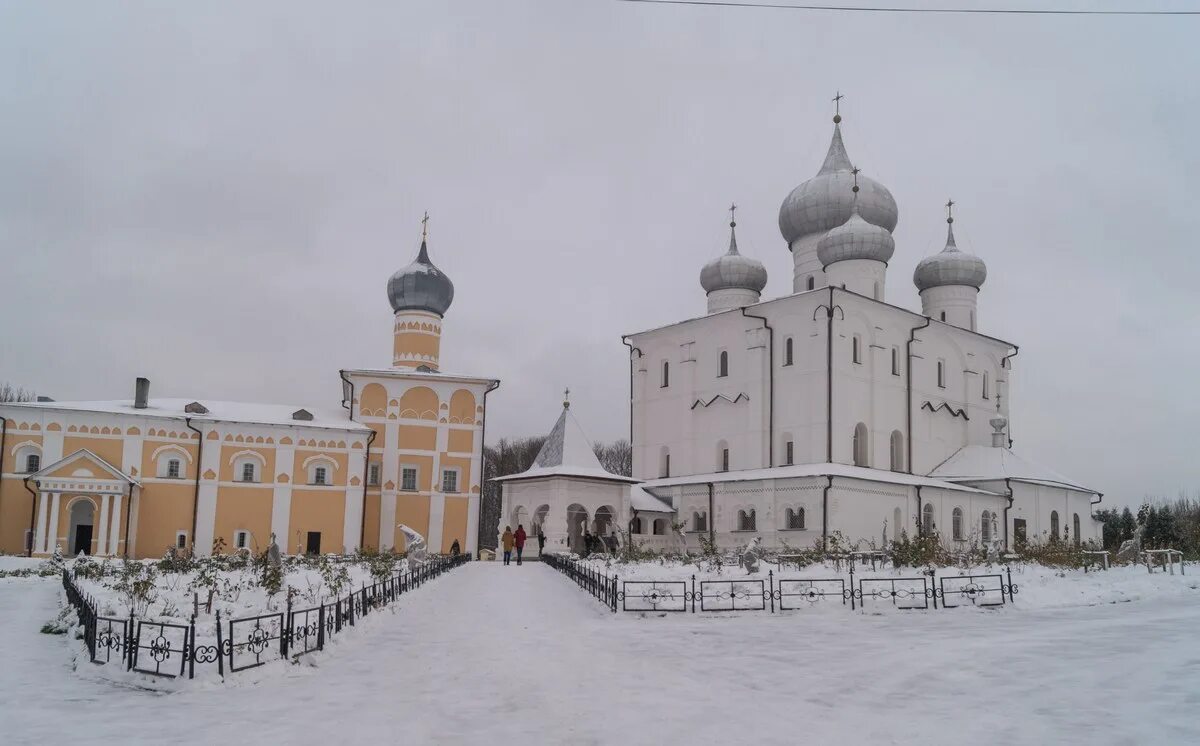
(374, 473)
(181, 535)
(241, 532)
(25, 444)
(319, 457)
(457, 471)
(178, 449)
(262, 460)
(416, 478)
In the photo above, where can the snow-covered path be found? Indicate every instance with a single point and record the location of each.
(497, 654)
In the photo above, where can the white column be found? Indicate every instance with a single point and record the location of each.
(114, 530)
(352, 518)
(387, 519)
(281, 514)
(437, 498)
(473, 502)
(52, 527)
(39, 537)
(102, 528)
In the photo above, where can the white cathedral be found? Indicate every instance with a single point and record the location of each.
(826, 410)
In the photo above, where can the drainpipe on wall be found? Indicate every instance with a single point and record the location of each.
(196, 490)
(347, 403)
(33, 517)
(825, 511)
(770, 386)
(128, 517)
(362, 531)
(908, 387)
(638, 350)
(1005, 364)
(3, 435)
(920, 517)
(712, 515)
(482, 468)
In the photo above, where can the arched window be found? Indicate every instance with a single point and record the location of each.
(795, 519)
(247, 466)
(860, 445)
(1075, 529)
(985, 527)
(33, 462)
(28, 457)
(895, 361)
(856, 349)
(985, 385)
(941, 370)
(897, 449)
(664, 462)
(321, 469)
(957, 524)
(660, 526)
(666, 375)
(812, 282)
(723, 456)
(787, 351)
(700, 520)
(927, 519)
(169, 462)
(789, 452)
(723, 369)
(635, 525)
(943, 315)
(1053, 525)
(746, 520)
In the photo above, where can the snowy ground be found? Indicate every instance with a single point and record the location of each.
(494, 654)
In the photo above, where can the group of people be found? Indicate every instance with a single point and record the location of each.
(516, 541)
(593, 543)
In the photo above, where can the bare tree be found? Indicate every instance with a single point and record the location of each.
(616, 457)
(8, 392)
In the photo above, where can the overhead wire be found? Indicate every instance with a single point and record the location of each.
(939, 10)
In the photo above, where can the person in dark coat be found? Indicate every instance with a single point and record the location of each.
(455, 549)
(541, 537)
(519, 541)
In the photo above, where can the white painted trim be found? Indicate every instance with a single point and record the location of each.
(318, 457)
(170, 447)
(22, 444)
(252, 454)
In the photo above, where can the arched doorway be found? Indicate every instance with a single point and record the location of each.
(577, 523)
(83, 518)
(606, 516)
(539, 519)
(520, 517)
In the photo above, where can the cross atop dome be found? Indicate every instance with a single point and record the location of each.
(837, 107)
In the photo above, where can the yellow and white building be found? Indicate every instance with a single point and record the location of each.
(136, 477)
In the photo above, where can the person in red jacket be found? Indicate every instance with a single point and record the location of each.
(519, 541)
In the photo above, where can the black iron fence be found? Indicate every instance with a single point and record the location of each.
(919, 592)
(170, 650)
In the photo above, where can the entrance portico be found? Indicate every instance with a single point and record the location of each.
(83, 505)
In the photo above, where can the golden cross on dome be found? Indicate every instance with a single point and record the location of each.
(425, 225)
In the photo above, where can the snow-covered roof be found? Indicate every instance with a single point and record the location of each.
(646, 502)
(218, 411)
(978, 463)
(814, 470)
(567, 452)
(435, 375)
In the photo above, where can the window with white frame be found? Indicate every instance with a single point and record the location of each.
(373, 475)
(860, 445)
(449, 480)
(789, 453)
(29, 458)
(986, 393)
(1053, 525)
(320, 475)
(956, 524)
(173, 470)
(320, 472)
(985, 527)
(897, 449)
(408, 478)
(927, 520)
(181, 539)
(33, 462)
(247, 469)
(241, 539)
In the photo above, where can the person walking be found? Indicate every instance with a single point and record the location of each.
(541, 541)
(519, 541)
(507, 541)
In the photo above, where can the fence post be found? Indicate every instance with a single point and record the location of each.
(693, 593)
(321, 627)
(852, 607)
(286, 632)
(133, 646)
(933, 585)
(1008, 572)
(191, 648)
(350, 607)
(771, 588)
(220, 648)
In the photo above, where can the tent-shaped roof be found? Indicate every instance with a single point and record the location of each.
(566, 453)
(980, 463)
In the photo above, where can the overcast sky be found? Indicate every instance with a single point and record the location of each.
(214, 195)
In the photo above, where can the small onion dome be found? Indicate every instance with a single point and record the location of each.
(856, 239)
(950, 267)
(421, 286)
(824, 202)
(732, 270)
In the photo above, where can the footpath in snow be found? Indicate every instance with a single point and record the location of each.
(495, 654)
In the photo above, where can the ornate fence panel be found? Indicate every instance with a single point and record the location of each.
(109, 636)
(976, 590)
(254, 641)
(732, 595)
(161, 649)
(904, 593)
(306, 630)
(802, 594)
(648, 595)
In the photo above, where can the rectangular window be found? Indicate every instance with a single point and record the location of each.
(666, 375)
(856, 348)
(173, 469)
(373, 475)
(319, 475)
(788, 453)
(312, 544)
(408, 478)
(181, 539)
(985, 385)
(241, 539)
(33, 463)
(666, 470)
(787, 351)
(248, 472)
(941, 374)
(895, 361)
(449, 480)
(725, 459)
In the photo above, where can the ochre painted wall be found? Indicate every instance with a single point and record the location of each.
(15, 510)
(460, 441)
(246, 508)
(413, 511)
(454, 523)
(317, 510)
(163, 509)
(371, 532)
(418, 438)
(108, 449)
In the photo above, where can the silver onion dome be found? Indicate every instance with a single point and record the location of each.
(856, 239)
(824, 202)
(421, 286)
(950, 266)
(732, 270)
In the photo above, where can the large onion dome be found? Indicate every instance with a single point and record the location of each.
(421, 286)
(856, 239)
(825, 201)
(950, 266)
(733, 271)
